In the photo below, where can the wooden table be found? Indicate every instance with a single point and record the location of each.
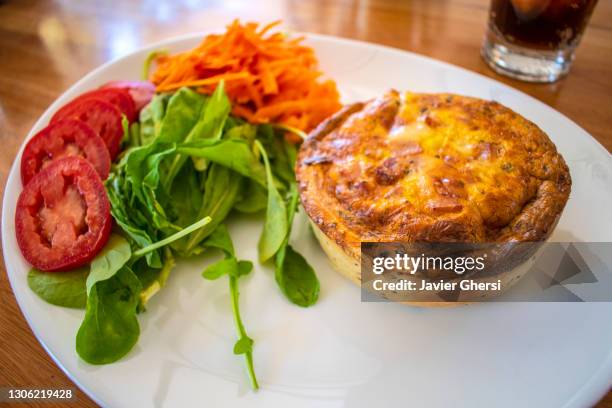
(45, 46)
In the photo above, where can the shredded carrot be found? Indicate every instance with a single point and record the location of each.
(269, 77)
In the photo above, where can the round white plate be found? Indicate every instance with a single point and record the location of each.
(342, 352)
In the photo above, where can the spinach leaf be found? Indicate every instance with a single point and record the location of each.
(252, 199)
(115, 254)
(210, 124)
(294, 276)
(233, 268)
(182, 113)
(277, 149)
(65, 289)
(187, 196)
(235, 154)
(220, 192)
(151, 117)
(275, 226)
(110, 327)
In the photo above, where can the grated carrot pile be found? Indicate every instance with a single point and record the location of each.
(269, 77)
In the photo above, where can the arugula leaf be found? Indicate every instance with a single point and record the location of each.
(233, 268)
(110, 327)
(115, 254)
(244, 268)
(228, 266)
(244, 344)
(275, 226)
(65, 289)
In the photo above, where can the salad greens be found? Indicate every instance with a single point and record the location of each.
(234, 269)
(275, 226)
(186, 165)
(65, 289)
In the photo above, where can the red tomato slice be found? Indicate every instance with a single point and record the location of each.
(61, 139)
(63, 219)
(101, 116)
(140, 91)
(120, 98)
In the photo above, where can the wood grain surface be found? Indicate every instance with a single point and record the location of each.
(45, 46)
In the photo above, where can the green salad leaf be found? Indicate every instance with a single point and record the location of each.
(114, 292)
(110, 327)
(234, 269)
(275, 226)
(220, 192)
(294, 276)
(253, 198)
(235, 154)
(186, 165)
(151, 117)
(115, 254)
(213, 115)
(182, 114)
(65, 289)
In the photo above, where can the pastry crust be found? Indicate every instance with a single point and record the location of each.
(433, 168)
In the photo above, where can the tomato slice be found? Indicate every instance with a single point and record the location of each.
(101, 116)
(63, 219)
(140, 91)
(119, 98)
(61, 139)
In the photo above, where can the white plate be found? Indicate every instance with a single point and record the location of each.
(342, 352)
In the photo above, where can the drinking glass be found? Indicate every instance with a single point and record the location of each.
(534, 40)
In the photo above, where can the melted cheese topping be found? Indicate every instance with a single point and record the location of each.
(420, 166)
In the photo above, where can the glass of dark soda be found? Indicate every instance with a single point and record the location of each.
(535, 40)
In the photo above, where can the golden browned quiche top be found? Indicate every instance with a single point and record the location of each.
(431, 167)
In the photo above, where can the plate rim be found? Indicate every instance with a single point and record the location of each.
(589, 394)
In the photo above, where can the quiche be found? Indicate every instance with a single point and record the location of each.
(410, 167)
